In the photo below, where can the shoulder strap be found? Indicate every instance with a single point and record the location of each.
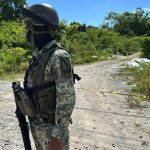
(33, 61)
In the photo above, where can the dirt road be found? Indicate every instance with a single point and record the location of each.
(101, 121)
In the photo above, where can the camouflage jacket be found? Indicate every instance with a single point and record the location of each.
(59, 69)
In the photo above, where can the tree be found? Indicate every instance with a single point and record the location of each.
(10, 9)
(129, 23)
(82, 28)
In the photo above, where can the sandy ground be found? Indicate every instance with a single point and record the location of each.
(101, 121)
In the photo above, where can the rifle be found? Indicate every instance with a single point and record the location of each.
(21, 119)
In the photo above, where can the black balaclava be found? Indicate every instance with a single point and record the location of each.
(40, 40)
(39, 36)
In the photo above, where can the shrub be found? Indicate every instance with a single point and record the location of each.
(142, 79)
(12, 47)
(145, 42)
(11, 59)
(94, 44)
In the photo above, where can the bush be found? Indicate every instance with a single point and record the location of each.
(12, 34)
(145, 42)
(11, 59)
(13, 47)
(141, 78)
(94, 44)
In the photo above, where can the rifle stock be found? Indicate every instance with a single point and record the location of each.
(22, 120)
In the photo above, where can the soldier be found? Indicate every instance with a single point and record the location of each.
(48, 80)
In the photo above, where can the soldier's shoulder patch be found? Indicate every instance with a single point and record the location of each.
(65, 65)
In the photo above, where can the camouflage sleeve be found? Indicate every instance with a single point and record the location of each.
(63, 75)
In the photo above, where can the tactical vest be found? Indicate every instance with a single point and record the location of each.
(43, 93)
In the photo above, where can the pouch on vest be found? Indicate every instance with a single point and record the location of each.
(24, 103)
(45, 102)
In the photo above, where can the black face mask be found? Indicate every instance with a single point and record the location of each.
(40, 40)
(37, 35)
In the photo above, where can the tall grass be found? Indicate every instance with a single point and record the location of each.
(139, 79)
(142, 79)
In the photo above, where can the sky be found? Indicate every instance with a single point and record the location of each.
(91, 12)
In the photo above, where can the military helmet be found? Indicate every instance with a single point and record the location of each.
(41, 14)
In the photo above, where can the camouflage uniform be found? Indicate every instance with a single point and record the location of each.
(59, 69)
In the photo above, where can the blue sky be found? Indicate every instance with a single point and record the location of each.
(91, 12)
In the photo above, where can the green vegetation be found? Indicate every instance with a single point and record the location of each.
(146, 47)
(13, 48)
(10, 9)
(94, 41)
(129, 23)
(94, 44)
(139, 77)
